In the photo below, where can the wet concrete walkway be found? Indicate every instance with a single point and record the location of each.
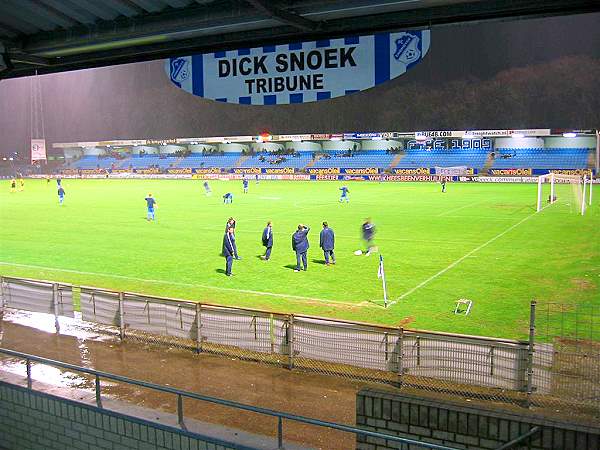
(296, 392)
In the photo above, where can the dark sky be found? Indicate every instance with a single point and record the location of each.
(535, 73)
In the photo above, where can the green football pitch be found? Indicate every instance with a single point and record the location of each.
(482, 242)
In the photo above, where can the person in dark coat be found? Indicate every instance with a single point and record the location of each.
(229, 250)
(326, 242)
(267, 240)
(231, 224)
(300, 246)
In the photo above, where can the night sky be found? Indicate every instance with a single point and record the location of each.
(536, 73)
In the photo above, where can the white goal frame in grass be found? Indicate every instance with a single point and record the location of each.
(577, 181)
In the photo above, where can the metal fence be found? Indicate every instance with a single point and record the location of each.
(547, 370)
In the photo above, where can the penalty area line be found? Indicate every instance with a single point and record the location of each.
(462, 258)
(176, 283)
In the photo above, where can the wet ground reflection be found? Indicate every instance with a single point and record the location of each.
(89, 345)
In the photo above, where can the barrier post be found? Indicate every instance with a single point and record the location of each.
(121, 316)
(198, 328)
(291, 341)
(55, 306)
(530, 350)
(400, 356)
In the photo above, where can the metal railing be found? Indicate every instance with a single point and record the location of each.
(280, 416)
(559, 365)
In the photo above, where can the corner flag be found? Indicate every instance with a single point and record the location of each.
(381, 274)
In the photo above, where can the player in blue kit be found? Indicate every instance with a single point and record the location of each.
(345, 192)
(61, 195)
(207, 190)
(151, 203)
(228, 198)
(245, 183)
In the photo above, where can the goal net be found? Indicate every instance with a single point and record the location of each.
(573, 191)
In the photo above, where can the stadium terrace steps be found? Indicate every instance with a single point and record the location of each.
(591, 160)
(312, 163)
(241, 161)
(396, 160)
(542, 158)
(489, 162)
(481, 159)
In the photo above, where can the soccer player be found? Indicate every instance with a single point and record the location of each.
(228, 198)
(368, 233)
(300, 246)
(443, 183)
(47, 180)
(21, 184)
(207, 190)
(326, 242)
(245, 183)
(151, 203)
(256, 178)
(345, 192)
(61, 195)
(58, 181)
(229, 250)
(267, 240)
(13, 185)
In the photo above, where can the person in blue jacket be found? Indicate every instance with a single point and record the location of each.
(326, 242)
(231, 224)
(267, 240)
(229, 250)
(300, 246)
(245, 184)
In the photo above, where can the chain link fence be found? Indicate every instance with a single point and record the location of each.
(568, 357)
(558, 367)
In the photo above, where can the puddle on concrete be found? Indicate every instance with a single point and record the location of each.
(93, 346)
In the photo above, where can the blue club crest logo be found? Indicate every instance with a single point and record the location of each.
(179, 70)
(407, 48)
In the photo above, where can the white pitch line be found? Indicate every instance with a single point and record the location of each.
(462, 258)
(124, 277)
(458, 209)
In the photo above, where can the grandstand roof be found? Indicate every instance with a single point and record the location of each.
(59, 35)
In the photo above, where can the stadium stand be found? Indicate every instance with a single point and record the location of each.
(553, 158)
(500, 158)
(416, 158)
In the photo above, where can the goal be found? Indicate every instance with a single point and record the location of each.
(576, 190)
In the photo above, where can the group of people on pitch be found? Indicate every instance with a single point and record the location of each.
(300, 244)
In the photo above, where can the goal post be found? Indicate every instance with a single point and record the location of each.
(580, 187)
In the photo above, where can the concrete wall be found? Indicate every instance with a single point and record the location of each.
(380, 145)
(197, 148)
(233, 148)
(169, 149)
(267, 146)
(576, 142)
(304, 146)
(459, 427)
(340, 145)
(31, 420)
(525, 142)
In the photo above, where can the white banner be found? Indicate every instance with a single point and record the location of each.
(38, 150)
